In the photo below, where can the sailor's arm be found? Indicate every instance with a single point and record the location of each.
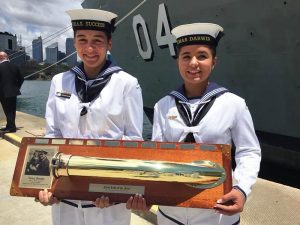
(133, 112)
(248, 152)
(157, 134)
(52, 129)
(247, 157)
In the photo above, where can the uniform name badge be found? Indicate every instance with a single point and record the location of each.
(165, 173)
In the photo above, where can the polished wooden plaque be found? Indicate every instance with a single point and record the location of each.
(32, 171)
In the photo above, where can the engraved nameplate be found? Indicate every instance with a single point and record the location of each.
(118, 189)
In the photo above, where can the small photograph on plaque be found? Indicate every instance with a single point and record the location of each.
(36, 169)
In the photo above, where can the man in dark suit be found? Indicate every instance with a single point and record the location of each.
(11, 81)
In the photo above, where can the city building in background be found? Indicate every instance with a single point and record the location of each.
(61, 55)
(12, 45)
(13, 48)
(37, 50)
(71, 60)
(52, 53)
(8, 42)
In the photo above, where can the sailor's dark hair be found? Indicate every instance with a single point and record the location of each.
(213, 49)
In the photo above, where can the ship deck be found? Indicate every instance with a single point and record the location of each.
(269, 202)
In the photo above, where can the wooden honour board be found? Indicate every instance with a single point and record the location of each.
(155, 192)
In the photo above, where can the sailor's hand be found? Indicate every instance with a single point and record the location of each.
(46, 198)
(137, 202)
(102, 202)
(231, 203)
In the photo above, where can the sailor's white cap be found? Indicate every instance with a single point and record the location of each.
(92, 19)
(198, 33)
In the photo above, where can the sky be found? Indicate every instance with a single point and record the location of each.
(33, 18)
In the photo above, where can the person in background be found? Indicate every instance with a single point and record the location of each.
(11, 81)
(94, 100)
(201, 111)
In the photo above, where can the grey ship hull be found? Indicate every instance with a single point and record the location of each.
(258, 59)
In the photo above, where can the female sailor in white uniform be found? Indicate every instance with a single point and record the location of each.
(96, 99)
(204, 112)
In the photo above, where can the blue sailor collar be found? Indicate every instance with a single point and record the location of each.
(108, 69)
(213, 89)
(88, 90)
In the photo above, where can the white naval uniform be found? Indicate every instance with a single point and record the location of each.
(227, 121)
(117, 113)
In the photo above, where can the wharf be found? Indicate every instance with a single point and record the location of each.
(269, 203)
